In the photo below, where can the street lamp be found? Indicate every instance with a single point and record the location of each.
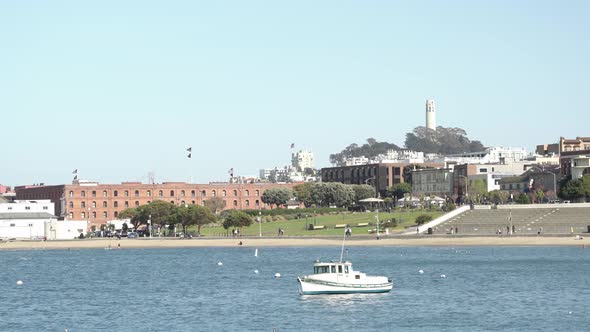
(150, 228)
(466, 193)
(374, 184)
(259, 219)
(377, 220)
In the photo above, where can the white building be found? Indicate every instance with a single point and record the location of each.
(25, 219)
(356, 161)
(64, 229)
(401, 156)
(301, 160)
(495, 155)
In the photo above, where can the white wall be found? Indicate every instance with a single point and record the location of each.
(22, 228)
(64, 229)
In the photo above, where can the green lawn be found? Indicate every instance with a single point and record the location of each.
(298, 227)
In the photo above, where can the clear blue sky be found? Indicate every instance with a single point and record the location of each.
(116, 89)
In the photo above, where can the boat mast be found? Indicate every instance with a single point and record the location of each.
(342, 251)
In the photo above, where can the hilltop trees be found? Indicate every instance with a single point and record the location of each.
(441, 141)
(371, 149)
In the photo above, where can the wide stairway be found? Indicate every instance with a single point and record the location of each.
(523, 220)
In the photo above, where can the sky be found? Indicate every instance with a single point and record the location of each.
(118, 89)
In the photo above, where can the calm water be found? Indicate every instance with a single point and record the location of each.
(485, 289)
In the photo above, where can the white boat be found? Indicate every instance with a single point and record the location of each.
(340, 278)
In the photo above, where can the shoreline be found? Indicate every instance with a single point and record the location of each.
(296, 242)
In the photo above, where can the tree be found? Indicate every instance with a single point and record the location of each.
(362, 191)
(303, 193)
(576, 189)
(477, 190)
(215, 204)
(523, 198)
(277, 196)
(539, 195)
(399, 190)
(194, 215)
(161, 212)
(237, 219)
(332, 194)
(423, 218)
(133, 214)
(498, 196)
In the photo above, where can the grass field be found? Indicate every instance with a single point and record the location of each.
(298, 227)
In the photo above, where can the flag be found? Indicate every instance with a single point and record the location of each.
(189, 155)
(76, 177)
(75, 171)
(292, 145)
(231, 172)
(190, 149)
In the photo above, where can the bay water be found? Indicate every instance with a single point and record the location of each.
(186, 289)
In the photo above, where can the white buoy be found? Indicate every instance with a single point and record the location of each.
(443, 276)
(19, 282)
(277, 275)
(570, 312)
(219, 263)
(421, 271)
(256, 271)
(256, 252)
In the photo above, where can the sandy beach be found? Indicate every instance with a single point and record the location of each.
(296, 242)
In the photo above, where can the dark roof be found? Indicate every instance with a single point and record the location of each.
(513, 179)
(26, 215)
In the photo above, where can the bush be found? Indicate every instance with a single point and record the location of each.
(423, 218)
(448, 206)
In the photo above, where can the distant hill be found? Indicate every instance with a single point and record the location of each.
(370, 150)
(442, 141)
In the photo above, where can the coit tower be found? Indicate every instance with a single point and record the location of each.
(430, 114)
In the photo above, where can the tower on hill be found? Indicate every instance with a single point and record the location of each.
(430, 114)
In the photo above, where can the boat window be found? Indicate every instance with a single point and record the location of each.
(333, 268)
(324, 269)
(357, 276)
(315, 270)
(345, 268)
(339, 268)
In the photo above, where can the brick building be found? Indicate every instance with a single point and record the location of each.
(574, 157)
(98, 203)
(382, 175)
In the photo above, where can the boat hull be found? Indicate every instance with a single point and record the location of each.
(315, 287)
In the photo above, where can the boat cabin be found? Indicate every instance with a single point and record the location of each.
(332, 267)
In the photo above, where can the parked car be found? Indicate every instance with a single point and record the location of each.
(132, 235)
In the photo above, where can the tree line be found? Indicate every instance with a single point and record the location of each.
(319, 194)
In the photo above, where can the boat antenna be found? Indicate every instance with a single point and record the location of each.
(342, 251)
